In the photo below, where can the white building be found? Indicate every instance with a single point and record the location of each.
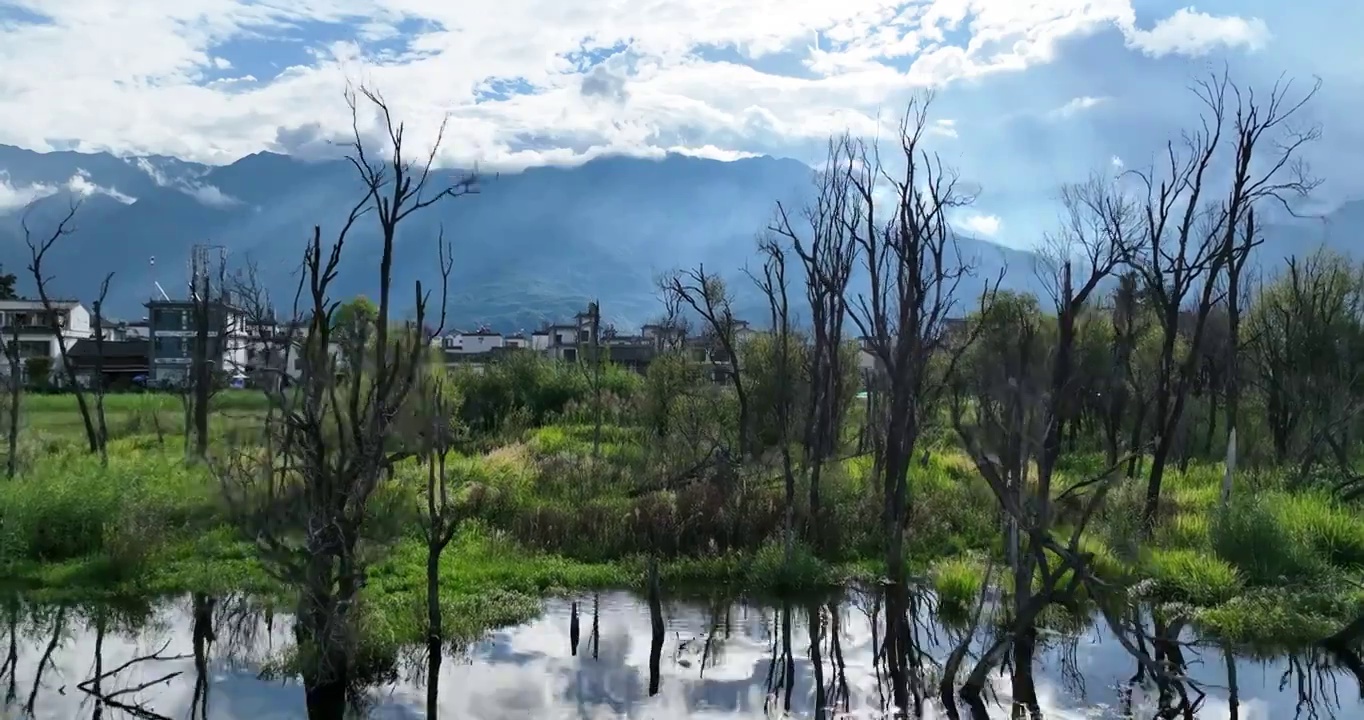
(34, 326)
(539, 340)
(480, 341)
(173, 333)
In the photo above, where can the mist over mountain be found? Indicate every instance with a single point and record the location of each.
(531, 247)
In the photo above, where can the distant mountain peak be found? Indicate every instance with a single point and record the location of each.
(532, 246)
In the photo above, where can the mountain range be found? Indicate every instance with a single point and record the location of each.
(530, 247)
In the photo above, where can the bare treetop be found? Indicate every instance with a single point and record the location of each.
(398, 184)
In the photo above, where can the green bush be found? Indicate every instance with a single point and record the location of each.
(957, 582)
(1191, 577)
(1333, 532)
(1250, 535)
(70, 507)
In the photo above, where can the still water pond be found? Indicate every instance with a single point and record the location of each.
(717, 660)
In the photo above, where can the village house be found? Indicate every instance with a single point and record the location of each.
(33, 325)
(172, 333)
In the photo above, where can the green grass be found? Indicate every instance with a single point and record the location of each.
(957, 583)
(1191, 577)
(547, 517)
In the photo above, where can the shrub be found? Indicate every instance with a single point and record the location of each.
(1334, 534)
(1191, 577)
(1250, 535)
(957, 582)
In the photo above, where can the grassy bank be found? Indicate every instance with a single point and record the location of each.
(546, 516)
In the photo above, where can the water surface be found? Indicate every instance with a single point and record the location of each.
(716, 660)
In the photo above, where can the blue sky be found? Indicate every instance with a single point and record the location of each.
(1030, 93)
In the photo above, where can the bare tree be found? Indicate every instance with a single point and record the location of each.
(101, 426)
(307, 503)
(914, 268)
(1098, 225)
(16, 389)
(1307, 359)
(827, 254)
(595, 349)
(673, 326)
(1190, 234)
(270, 337)
(1238, 255)
(215, 322)
(707, 296)
(1020, 417)
(438, 412)
(38, 249)
(773, 284)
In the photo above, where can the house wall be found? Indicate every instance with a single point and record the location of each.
(35, 340)
(539, 342)
(33, 345)
(480, 343)
(866, 361)
(171, 335)
(78, 322)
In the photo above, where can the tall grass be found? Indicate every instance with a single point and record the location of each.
(70, 507)
(1252, 536)
(542, 512)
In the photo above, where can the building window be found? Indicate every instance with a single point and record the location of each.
(169, 319)
(172, 347)
(34, 348)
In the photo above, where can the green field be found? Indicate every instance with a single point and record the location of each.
(545, 516)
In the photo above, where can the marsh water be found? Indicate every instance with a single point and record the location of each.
(716, 659)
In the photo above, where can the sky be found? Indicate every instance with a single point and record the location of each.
(1028, 93)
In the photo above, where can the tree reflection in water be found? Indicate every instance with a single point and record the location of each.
(122, 661)
(9, 670)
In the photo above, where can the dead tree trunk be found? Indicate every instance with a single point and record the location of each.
(16, 389)
(102, 427)
(1189, 242)
(914, 268)
(827, 254)
(307, 505)
(773, 285)
(1020, 410)
(707, 296)
(37, 252)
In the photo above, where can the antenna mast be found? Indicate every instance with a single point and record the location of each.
(201, 262)
(152, 264)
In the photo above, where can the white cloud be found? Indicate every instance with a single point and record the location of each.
(81, 184)
(201, 191)
(1190, 32)
(987, 225)
(943, 128)
(14, 197)
(711, 152)
(134, 77)
(1077, 106)
(1117, 162)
